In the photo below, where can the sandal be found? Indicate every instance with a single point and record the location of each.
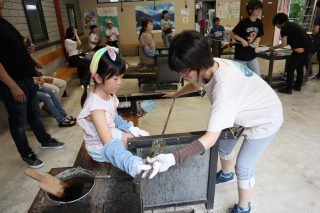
(67, 123)
(70, 118)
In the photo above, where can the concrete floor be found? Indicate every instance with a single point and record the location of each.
(287, 175)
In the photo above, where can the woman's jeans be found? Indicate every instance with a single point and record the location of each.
(250, 151)
(20, 113)
(51, 103)
(166, 39)
(58, 86)
(252, 65)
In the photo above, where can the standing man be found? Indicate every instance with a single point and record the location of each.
(19, 93)
(237, 96)
(316, 37)
(248, 31)
(292, 34)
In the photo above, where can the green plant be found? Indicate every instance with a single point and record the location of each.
(296, 9)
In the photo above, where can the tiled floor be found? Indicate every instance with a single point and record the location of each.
(287, 175)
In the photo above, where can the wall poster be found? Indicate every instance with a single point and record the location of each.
(105, 14)
(154, 12)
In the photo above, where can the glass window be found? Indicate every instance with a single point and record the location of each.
(36, 22)
(71, 15)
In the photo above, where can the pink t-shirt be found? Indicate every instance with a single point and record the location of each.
(90, 134)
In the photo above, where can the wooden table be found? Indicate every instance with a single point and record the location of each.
(272, 56)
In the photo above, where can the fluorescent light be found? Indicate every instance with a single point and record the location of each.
(31, 7)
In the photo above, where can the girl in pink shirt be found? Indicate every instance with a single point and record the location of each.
(105, 132)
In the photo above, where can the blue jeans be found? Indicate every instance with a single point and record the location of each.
(252, 65)
(20, 113)
(116, 154)
(166, 39)
(250, 151)
(51, 103)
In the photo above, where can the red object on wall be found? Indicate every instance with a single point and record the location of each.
(202, 23)
(59, 21)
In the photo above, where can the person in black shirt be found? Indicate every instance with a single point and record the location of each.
(292, 34)
(248, 31)
(19, 93)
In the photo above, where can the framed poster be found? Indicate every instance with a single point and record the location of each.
(105, 14)
(154, 12)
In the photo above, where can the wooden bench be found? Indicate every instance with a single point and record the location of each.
(65, 72)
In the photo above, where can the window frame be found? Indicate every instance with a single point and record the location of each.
(44, 36)
(71, 6)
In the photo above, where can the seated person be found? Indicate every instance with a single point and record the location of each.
(147, 45)
(58, 86)
(166, 28)
(112, 34)
(94, 39)
(105, 132)
(53, 106)
(72, 43)
(51, 101)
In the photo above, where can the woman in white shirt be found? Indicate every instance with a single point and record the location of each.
(72, 43)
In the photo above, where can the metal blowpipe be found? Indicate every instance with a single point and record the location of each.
(166, 123)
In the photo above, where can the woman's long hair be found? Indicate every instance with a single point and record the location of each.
(69, 33)
(144, 25)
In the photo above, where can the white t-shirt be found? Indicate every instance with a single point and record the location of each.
(90, 134)
(93, 39)
(239, 96)
(112, 33)
(71, 47)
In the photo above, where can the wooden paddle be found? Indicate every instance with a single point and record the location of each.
(48, 183)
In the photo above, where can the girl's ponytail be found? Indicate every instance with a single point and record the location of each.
(85, 93)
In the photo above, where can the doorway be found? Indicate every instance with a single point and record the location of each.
(269, 10)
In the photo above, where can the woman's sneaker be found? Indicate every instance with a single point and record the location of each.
(33, 161)
(237, 209)
(224, 177)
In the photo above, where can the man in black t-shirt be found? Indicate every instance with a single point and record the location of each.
(19, 93)
(292, 34)
(248, 31)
